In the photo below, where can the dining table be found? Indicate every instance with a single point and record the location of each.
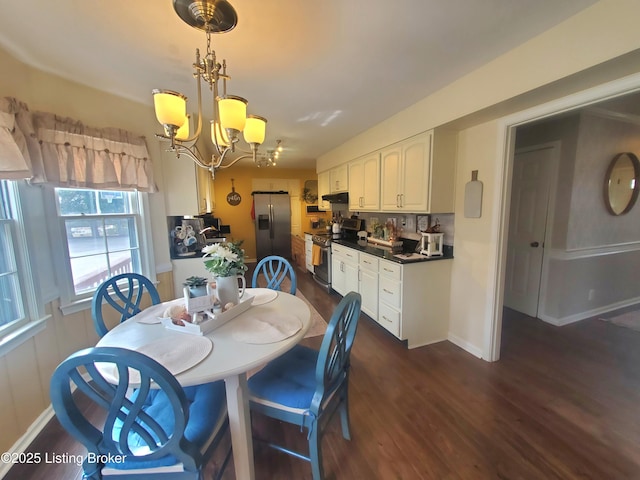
(273, 324)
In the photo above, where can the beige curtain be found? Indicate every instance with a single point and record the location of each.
(15, 157)
(66, 153)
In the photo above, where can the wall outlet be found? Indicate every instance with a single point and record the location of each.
(592, 293)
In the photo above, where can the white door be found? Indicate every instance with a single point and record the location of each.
(528, 217)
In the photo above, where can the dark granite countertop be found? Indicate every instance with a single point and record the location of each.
(387, 255)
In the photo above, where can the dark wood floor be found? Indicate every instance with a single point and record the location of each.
(562, 403)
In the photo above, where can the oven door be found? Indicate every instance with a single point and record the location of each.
(322, 272)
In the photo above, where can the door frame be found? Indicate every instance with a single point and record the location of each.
(556, 148)
(503, 177)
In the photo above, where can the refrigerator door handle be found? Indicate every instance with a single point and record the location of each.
(271, 221)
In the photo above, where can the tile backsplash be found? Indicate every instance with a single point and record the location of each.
(408, 223)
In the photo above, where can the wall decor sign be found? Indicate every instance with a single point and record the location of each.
(234, 197)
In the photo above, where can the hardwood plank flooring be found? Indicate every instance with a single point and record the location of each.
(562, 403)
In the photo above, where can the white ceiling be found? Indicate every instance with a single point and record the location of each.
(320, 71)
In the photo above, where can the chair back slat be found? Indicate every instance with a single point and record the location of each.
(124, 293)
(275, 270)
(115, 393)
(334, 355)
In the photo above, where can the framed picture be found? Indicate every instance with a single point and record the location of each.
(423, 222)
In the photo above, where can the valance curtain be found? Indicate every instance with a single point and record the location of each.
(66, 153)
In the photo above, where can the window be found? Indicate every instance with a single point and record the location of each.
(101, 231)
(12, 311)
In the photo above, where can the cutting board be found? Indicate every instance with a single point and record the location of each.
(473, 197)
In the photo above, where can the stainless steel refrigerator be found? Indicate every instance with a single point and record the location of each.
(273, 224)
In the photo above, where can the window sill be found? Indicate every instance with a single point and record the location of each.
(18, 337)
(77, 306)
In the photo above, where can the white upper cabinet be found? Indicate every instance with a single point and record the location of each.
(418, 174)
(405, 174)
(364, 183)
(339, 179)
(323, 189)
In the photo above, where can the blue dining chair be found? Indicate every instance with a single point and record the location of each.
(124, 293)
(306, 387)
(275, 270)
(156, 430)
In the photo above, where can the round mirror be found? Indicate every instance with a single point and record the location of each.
(621, 183)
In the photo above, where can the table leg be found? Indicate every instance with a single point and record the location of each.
(240, 426)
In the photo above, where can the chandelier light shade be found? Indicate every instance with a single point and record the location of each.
(183, 132)
(229, 111)
(219, 135)
(170, 106)
(233, 113)
(255, 130)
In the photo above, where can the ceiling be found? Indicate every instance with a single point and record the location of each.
(320, 71)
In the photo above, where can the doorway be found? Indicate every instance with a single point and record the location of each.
(507, 131)
(532, 205)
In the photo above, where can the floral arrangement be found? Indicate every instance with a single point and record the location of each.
(224, 259)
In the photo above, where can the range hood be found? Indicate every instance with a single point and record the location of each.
(336, 198)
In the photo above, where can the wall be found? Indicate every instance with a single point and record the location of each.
(592, 259)
(561, 61)
(239, 216)
(25, 370)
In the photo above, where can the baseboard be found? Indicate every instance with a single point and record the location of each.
(22, 444)
(466, 346)
(560, 322)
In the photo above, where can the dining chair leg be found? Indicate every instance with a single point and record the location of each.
(344, 414)
(315, 451)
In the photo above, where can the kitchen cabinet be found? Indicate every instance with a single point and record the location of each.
(308, 251)
(368, 284)
(364, 183)
(339, 179)
(418, 174)
(344, 269)
(405, 169)
(298, 251)
(323, 189)
(205, 189)
(410, 300)
(414, 300)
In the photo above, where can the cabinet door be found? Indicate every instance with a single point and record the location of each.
(371, 187)
(339, 179)
(356, 185)
(414, 179)
(351, 280)
(390, 161)
(338, 282)
(323, 189)
(368, 287)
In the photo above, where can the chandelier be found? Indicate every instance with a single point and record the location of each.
(229, 111)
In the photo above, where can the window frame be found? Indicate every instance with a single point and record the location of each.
(33, 316)
(70, 302)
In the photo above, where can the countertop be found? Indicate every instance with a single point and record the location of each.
(387, 255)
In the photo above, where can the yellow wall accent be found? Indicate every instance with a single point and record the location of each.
(239, 217)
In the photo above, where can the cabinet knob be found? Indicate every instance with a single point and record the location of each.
(535, 244)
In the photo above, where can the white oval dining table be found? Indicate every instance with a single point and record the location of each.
(230, 359)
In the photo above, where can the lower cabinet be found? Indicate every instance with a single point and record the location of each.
(409, 300)
(308, 251)
(298, 251)
(344, 269)
(368, 284)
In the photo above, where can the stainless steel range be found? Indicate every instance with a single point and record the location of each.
(322, 272)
